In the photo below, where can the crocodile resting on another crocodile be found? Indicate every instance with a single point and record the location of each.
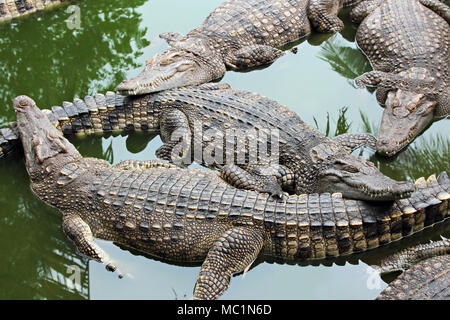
(237, 35)
(427, 274)
(408, 44)
(10, 9)
(305, 161)
(191, 215)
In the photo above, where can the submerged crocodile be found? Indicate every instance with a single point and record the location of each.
(408, 45)
(305, 161)
(191, 215)
(427, 274)
(10, 9)
(237, 35)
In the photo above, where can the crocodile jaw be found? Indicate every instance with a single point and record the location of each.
(362, 188)
(40, 139)
(166, 71)
(357, 178)
(407, 114)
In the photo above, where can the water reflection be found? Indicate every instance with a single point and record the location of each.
(424, 157)
(349, 62)
(51, 63)
(35, 253)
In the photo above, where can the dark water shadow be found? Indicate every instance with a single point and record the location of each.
(38, 261)
(51, 63)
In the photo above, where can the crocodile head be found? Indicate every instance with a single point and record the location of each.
(174, 68)
(40, 139)
(406, 115)
(357, 178)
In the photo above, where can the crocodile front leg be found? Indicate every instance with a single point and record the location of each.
(323, 15)
(254, 179)
(80, 233)
(370, 79)
(233, 252)
(440, 8)
(362, 10)
(176, 135)
(171, 37)
(252, 56)
(383, 81)
(355, 140)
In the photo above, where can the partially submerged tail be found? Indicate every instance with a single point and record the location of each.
(102, 113)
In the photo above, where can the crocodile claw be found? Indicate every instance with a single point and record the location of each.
(277, 194)
(112, 268)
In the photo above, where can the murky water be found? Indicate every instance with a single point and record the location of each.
(41, 57)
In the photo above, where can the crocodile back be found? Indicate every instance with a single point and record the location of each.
(272, 23)
(228, 109)
(404, 35)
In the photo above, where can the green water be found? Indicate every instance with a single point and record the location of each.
(41, 57)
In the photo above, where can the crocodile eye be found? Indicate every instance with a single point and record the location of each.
(350, 169)
(165, 62)
(185, 66)
(341, 165)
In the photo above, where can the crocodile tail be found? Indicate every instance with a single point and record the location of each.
(405, 259)
(315, 226)
(99, 114)
(12, 9)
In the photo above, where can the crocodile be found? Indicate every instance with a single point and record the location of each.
(10, 9)
(238, 35)
(192, 215)
(427, 273)
(305, 161)
(408, 45)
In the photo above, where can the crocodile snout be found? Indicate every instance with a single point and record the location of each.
(22, 102)
(126, 85)
(403, 189)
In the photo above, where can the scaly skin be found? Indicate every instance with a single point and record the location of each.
(407, 42)
(427, 274)
(407, 258)
(237, 35)
(10, 9)
(191, 215)
(308, 161)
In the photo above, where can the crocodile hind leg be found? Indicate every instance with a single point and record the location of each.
(353, 141)
(233, 252)
(440, 8)
(176, 135)
(252, 56)
(256, 179)
(80, 233)
(323, 15)
(361, 11)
